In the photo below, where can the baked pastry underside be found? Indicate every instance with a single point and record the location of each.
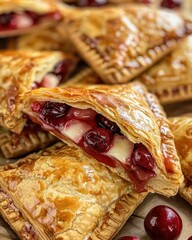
(61, 193)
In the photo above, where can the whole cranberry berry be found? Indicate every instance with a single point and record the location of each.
(171, 3)
(163, 223)
(190, 238)
(128, 238)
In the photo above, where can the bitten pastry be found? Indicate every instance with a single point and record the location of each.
(61, 193)
(122, 126)
(171, 78)
(182, 130)
(121, 42)
(19, 16)
(27, 69)
(42, 40)
(32, 138)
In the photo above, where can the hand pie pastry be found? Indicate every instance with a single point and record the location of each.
(61, 193)
(32, 138)
(42, 40)
(121, 42)
(27, 69)
(171, 78)
(182, 130)
(122, 126)
(19, 16)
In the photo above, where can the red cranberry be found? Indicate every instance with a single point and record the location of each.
(6, 18)
(142, 157)
(171, 3)
(81, 114)
(144, 1)
(36, 107)
(99, 139)
(190, 238)
(162, 222)
(128, 238)
(91, 3)
(62, 69)
(54, 109)
(106, 123)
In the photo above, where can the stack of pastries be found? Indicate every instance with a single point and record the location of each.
(80, 101)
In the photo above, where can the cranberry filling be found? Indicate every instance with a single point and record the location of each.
(99, 137)
(57, 76)
(12, 20)
(106, 123)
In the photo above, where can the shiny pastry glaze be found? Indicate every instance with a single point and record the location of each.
(65, 194)
(13, 20)
(99, 137)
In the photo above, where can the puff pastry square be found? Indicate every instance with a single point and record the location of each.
(61, 193)
(171, 78)
(118, 125)
(19, 16)
(182, 130)
(32, 138)
(121, 42)
(22, 70)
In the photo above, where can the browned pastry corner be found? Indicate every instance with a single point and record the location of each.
(125, 114)
(120, 42)
(171, 78)
(22, 70)
(182, 130)
(32, 138)
(61, 193)
(21, 17)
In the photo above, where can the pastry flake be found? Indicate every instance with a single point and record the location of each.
(19, 16)
(182, 130)
(61, 193)
(171, 78)
(118, 125)
(121, 42)
(22, 70)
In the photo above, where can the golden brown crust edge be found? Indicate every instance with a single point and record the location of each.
(16, 145)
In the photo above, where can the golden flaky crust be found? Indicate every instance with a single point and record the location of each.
(138, 115)
(121, 42)
(182, 130)
(19, 70)
(32, 138)
(40, 7)
(37, 40)
(84, 199)
(171, 78)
